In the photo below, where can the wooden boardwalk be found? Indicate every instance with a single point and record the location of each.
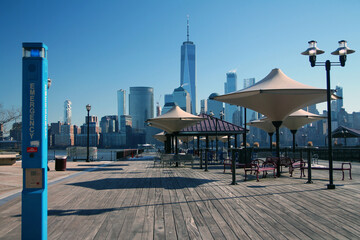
(135, 200)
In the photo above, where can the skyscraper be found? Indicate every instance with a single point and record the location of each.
(188, 69)
(339, 102)
(203, 106)
(121, 101)
(250, 114)
(141, 106)
(230, 86)
(67, 112)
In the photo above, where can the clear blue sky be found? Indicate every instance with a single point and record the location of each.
(98, 47)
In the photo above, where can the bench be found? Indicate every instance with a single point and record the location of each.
(184, 158)
(284, 161)
(346, 166)
(296, 163)
(169, 159)
(258, 166)
(228, 162)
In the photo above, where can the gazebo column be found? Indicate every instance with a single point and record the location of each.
(206, 153)
(168, 144)
(228, 141)
(244, 135)
(235, 141)
(176, 145)
(198, 144)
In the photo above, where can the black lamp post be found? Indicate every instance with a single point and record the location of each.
(342, 51)
(88, 108)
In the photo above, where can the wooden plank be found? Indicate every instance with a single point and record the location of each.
(136, 230)
(170, 229)
(215, 209)
(180, 223)
(159, 222)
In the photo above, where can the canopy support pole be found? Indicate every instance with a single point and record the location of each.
(270, 139)
(293, 134)
(277, 125)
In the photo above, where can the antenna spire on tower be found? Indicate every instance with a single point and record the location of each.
(187, 27)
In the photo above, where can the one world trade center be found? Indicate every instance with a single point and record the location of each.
(188, 70)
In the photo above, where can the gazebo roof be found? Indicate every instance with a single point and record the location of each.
(208, 127)
(345, 132)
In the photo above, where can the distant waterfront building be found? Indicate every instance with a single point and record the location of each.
(203, 105)
(182, 99)
(67, 112)
(55, 128)
(312, 109)
(158, 110)
(15, 132)
(94, 133)
(215, 106)
(230, 86)
(168, 98)
(125, 121)
(66, 136)
(1, 131)
(121, 102)
(339, 102)
(141, 106)
(188, 70)
(248, 82)
(250, 114)
(109, 124)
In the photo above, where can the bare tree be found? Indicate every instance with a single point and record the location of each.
(9, 115)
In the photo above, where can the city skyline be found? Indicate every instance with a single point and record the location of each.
(127, 44)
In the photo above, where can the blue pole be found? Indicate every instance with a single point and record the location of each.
(34, 141)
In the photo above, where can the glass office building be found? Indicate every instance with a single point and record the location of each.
(67, 112)
(141, 106)
(230, 86)
(250, 114)
(121, 102)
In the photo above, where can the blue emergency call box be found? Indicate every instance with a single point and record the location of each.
(34, 141)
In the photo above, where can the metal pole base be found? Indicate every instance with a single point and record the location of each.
(331, 186)
(234, 183)
(309, 181)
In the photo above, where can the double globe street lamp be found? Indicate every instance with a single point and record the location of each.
(342, 51)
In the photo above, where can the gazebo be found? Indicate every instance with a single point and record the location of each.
(345, 132)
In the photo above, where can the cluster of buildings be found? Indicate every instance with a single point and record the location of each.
(127, 129)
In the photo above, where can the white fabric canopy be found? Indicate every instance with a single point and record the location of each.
(160, 137)
(174, 120)
(300, 118)
(275, 96)
(263, 124)
(293, 122)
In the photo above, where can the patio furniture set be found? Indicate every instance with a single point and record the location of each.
(257, 166)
